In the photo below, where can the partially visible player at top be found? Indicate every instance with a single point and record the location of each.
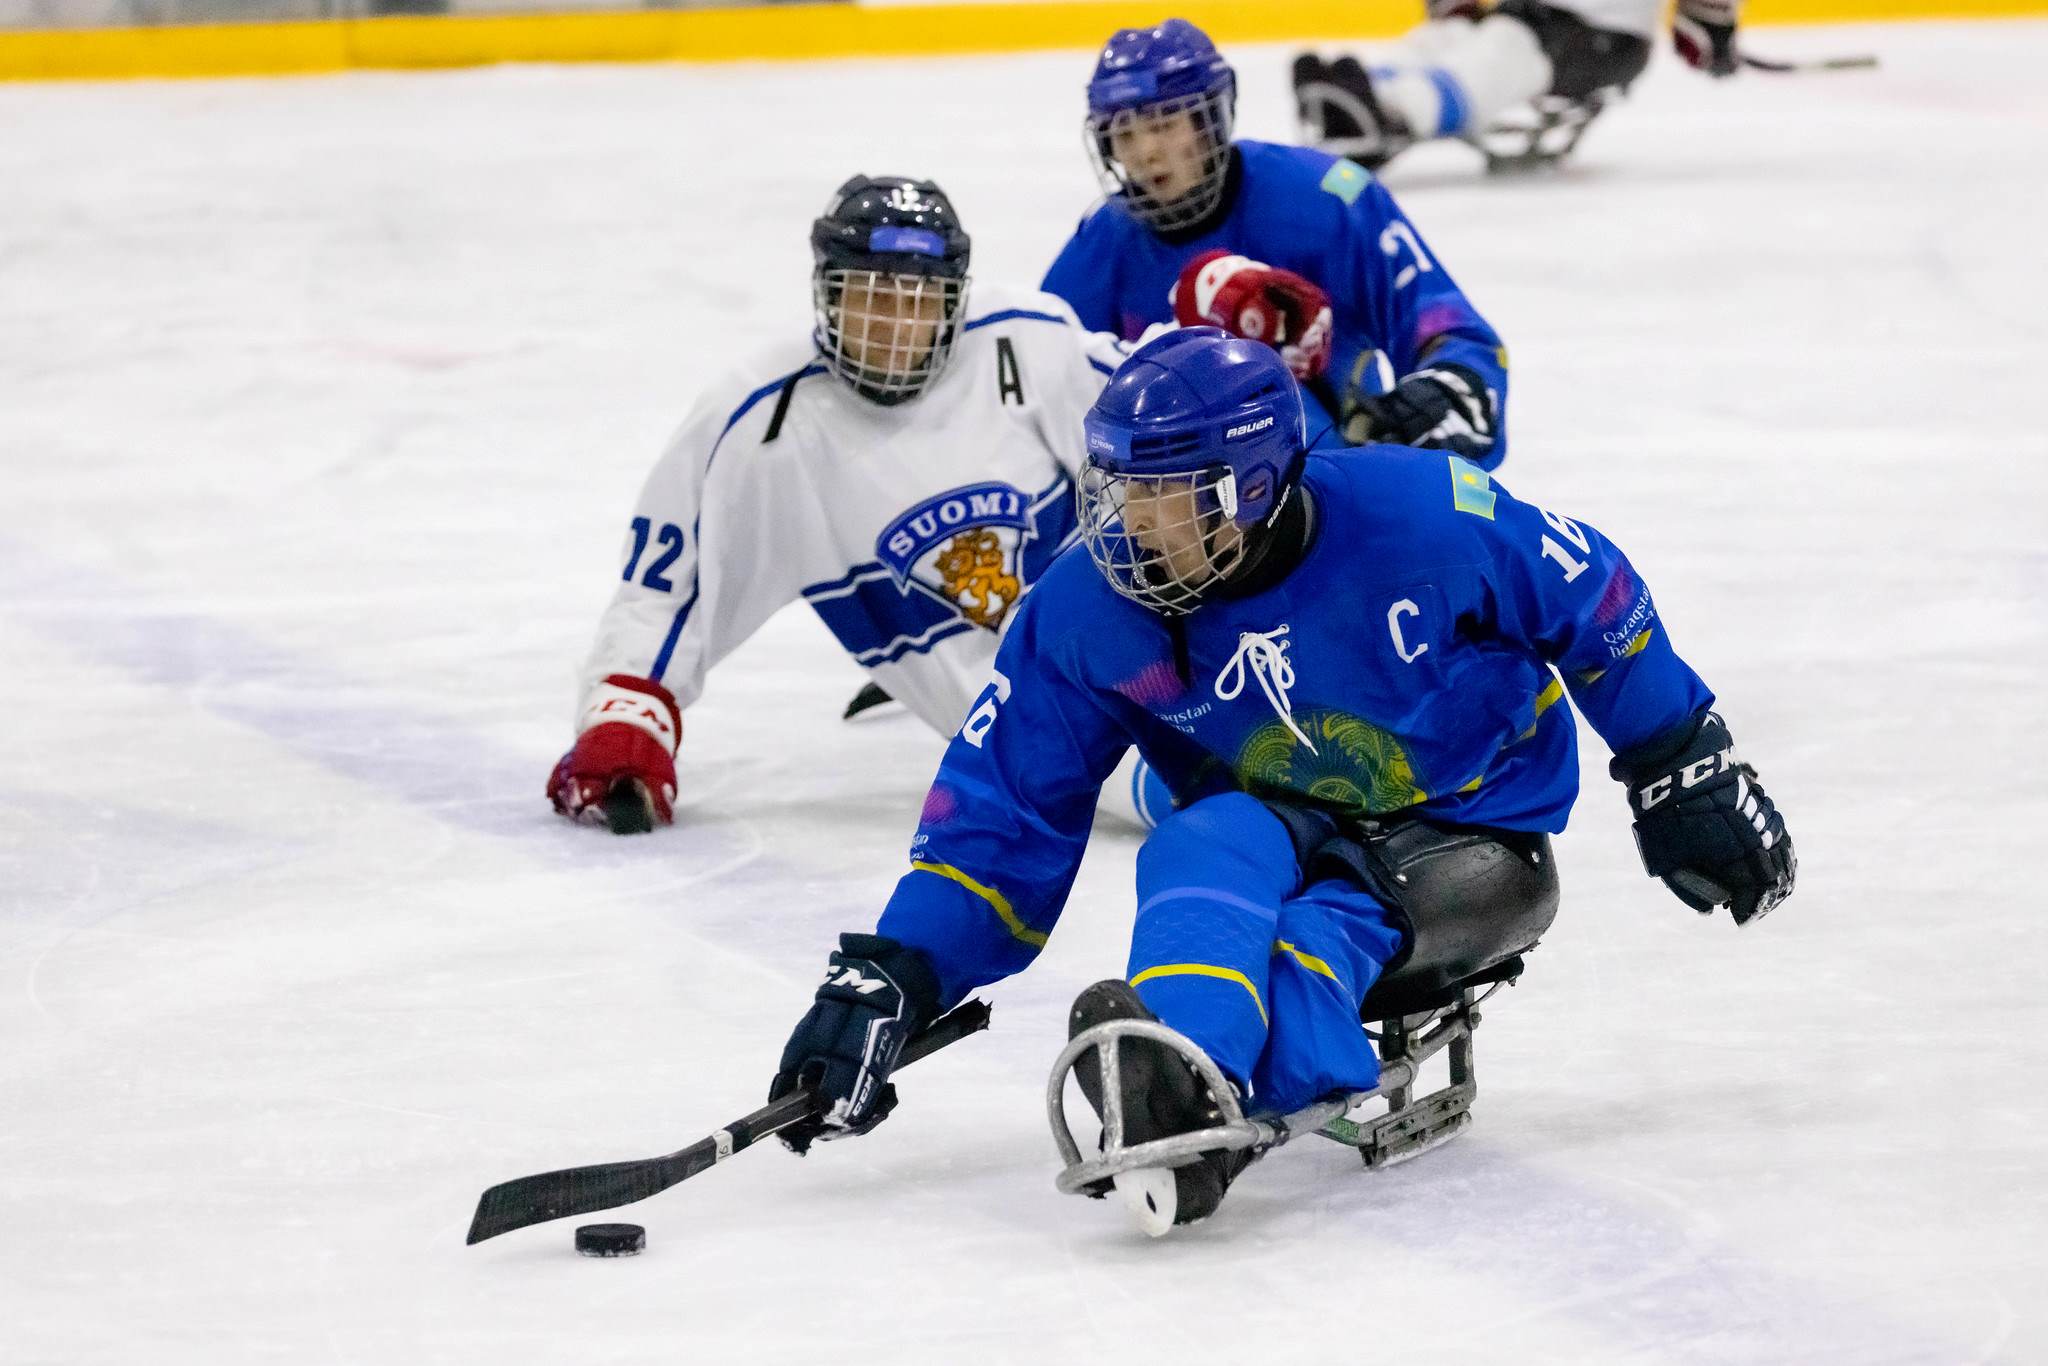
(1472, 65)
(1160, 110)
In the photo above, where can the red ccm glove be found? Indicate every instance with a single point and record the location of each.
(1258, 302)
(622, 770)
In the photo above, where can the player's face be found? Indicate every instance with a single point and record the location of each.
(891, 322)
(1187, 543)
(1164, 153)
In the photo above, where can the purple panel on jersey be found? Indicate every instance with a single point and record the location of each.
(940, 806)
(1433, 320)
(1154, 685)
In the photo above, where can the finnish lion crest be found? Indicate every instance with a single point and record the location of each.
(975, 572)
(962, 546)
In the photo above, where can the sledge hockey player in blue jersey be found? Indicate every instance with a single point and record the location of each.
(1348, 668)
(1160, 111)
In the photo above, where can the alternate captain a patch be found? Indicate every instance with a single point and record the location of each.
(965, 545)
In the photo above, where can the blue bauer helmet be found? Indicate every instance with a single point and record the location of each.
(1160, 109)
(1193, 449)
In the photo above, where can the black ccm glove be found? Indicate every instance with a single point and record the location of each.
(1445, 406)
(1704, 825)
(876, 994)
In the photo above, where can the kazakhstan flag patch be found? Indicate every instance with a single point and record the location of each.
(1346, 180)
(1471, 489)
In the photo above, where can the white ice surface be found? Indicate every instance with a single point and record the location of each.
(322, 403)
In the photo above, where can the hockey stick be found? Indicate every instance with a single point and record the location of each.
(629, 808)
(868, 698)
(1819, 64)
(585, 1190)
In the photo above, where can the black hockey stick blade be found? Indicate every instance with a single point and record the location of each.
(868, 698)
(629, 808)
(585, 1190)
(1861, 63)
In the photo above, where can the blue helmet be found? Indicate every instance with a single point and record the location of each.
(1145, 79)
(1141, 66)
(1193, 449)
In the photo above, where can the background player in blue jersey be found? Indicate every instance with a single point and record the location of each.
(1160, 110)
(1345, 667)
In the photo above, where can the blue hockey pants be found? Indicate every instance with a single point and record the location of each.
(1266, 975)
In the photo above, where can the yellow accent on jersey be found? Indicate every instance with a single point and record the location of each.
(1545, 700)
(1355, 764)
(1018, 929)
(1635, 647)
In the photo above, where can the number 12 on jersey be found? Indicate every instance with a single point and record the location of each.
(670, 541)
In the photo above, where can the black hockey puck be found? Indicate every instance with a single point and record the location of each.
(611, 1240)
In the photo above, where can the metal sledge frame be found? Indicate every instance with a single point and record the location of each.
(1413, 1126)
(1410, 1126)
(1552, 129)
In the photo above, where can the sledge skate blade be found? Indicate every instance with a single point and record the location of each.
(1152, 1196)
(1117, 1157)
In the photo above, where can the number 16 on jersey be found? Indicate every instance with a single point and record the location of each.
(975, 728)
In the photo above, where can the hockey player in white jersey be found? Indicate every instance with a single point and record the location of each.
(907, 469)
(1520, 78)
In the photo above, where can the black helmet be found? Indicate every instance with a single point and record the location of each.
(888, 284)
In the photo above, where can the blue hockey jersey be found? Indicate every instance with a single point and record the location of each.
(1319, 216)
(1412, 661)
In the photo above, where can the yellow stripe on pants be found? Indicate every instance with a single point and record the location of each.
(1205, 970)
(1307, 960)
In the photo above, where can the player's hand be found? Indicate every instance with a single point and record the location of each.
(875, 995)
(1704, 824)
(1703, 32)
(622, 770)
(1445, 406)
(1245, 298)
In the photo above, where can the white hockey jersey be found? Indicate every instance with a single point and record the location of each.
(911, 530)
(1640, 17)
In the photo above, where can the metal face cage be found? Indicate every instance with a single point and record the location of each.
(1141, 154)
(887, 335)
(1161, 540)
